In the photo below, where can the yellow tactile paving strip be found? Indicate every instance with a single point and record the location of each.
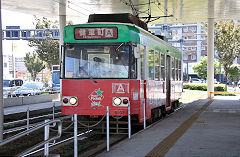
(162, 148)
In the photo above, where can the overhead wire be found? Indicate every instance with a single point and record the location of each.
(64, 4)
(80, 7)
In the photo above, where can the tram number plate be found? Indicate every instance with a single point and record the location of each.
(120, 112)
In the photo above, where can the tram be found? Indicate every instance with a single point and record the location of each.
(111, 61)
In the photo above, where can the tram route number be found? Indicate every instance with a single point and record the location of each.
(119, 112)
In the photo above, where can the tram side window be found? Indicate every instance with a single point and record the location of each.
(157, 66)
(142, 64)
(162, 67)
(180, 69)
(176, 69)
(133, 66)
(173, 68)
(151, 64)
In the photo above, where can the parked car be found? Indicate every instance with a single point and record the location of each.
(31, 88)
(195, 80)
(10, 85)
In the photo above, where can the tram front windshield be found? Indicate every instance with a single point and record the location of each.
(97, 61)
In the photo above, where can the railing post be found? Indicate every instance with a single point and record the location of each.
(75, 136)
(46, 137)
(144, 114)
(129, 122)
(107, 128)
(28, 115)
(53, 110)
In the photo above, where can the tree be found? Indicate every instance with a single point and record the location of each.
(227, 37)
(33, 64)
(47, 49)
(234, 72)
(201, 68)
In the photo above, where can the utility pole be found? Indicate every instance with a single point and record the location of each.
(1, 78)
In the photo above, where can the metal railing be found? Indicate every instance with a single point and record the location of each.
(213, 93)
(17, 136)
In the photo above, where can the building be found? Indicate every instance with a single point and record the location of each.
(13, 67)
(188, 38)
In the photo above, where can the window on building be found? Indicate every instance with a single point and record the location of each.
(185, 29)
(185, 57)
(193, 57)
(5, 65)
(194, 48)
(193, 29)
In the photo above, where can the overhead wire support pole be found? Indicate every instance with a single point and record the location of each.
(62, 24)
(1, 78)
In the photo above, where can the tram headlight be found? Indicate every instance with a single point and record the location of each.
(117, 101)
(72, 100)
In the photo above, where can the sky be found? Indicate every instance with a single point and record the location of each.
(10, 18)
(17, 48)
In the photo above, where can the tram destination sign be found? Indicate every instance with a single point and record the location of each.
(83, 33)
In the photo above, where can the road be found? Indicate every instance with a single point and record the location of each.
(32, 107)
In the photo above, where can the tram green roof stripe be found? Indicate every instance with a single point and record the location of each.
(125, 34)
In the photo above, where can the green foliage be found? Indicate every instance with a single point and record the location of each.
(203, 86)
(201, 68)
(234, 72)
(33, 64)
(227, 37)
(47, 50)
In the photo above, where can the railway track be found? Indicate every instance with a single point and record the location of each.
(91, 140)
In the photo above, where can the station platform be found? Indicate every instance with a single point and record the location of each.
(204, 128)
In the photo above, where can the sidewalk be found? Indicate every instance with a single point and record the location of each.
(213, 132)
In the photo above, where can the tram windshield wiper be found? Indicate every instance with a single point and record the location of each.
(91, 78)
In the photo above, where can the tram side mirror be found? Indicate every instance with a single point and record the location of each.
(137, 51)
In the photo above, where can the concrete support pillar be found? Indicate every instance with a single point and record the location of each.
(210, 52)
(62, 24)
(165, 18)
(1, 78)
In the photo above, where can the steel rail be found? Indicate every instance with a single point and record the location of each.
(17, 136)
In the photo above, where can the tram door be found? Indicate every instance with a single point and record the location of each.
(168, 80)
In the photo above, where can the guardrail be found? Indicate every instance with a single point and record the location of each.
(212, 93)
(16, 101)
(17, 136)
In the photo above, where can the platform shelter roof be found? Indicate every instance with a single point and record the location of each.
(181, 11)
